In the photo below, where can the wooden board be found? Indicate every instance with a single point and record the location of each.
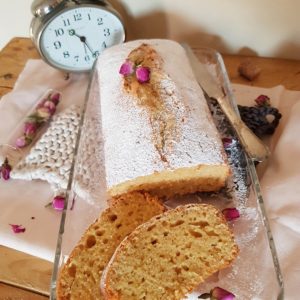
(8, 292)
(23, 270)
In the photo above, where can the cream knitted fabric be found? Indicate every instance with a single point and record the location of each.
(50, 159)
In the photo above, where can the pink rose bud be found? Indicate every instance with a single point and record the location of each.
(58, 202)
(231, 213)
(55, 98)
(142, 74)
(262, 100)
(50, 105)
(218, 293)
(17, 228)
(44, 112)
(5, 170)
(30, 128)
(227, 142)
(127, 68)
(22, 141)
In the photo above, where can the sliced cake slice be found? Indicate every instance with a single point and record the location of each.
(170, 255)
(80, 277)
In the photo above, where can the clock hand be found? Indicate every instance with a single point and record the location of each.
(82, 39)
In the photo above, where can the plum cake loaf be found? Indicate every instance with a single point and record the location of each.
(158, 133)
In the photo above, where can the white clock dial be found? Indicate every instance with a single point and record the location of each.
(75, 38)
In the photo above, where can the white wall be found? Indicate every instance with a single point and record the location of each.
(262, 27)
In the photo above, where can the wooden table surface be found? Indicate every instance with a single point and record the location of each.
(26, 277)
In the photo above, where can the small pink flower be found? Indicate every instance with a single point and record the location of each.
(17, 228)
(58, 202)
(50, 105)
(218, 293)
(5, 170)
(55, 98)
(231, 213)
(262, 100)
(30, 128)
(142, 74)
(127, 68)
(44, 112)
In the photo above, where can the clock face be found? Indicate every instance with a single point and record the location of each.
(74, 39)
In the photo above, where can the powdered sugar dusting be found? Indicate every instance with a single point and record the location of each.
(128, 129)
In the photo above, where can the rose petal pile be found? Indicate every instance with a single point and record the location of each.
(43, 112)
(142, 73)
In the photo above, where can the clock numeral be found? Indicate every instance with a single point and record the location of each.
(57, 44)
(76, 57)
(87, 58)
(59, 31)
(77, 17)
(89, 17)
(106, 32)
(67, 22)
(66, 54)
(104, 45)
(96, 54)
(100, 21)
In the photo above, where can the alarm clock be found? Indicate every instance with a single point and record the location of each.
(70, 34)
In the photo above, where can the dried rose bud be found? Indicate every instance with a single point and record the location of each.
(231, 213)
(17, 228)
(21, 142)
(58, 202)
(44, 112)
(5, 170)
(30, 128)
(218, 293)
(127, 68)
(51, 106)
(227, 142)
(55, 98)
(142, 74)
(262, 100)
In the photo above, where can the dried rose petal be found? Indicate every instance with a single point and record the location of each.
(263, 100)
(17, 228)
(58, 202)
(55, 98)
(142, 74)
(218, 293)
(30, 128)
(127, 68)
(231, 213)
(5, 170)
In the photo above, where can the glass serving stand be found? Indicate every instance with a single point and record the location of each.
(255, 274)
